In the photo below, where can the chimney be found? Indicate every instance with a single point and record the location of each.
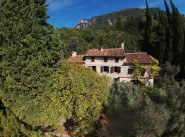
(74, 54)
(123, 45)
(101, 49)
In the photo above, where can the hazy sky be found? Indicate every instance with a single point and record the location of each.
(67, 13)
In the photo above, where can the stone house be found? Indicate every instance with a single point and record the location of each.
(116, 63)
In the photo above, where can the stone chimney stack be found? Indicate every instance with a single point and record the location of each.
(123, 45)
(101, 49)
(74, 54)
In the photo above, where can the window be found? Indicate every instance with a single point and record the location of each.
(116, 59)
(92, 59)
(105, 59)
(94, 68)
(143, 72)
(115, 69)
(130, 71)
(84, 59)
(105, 69)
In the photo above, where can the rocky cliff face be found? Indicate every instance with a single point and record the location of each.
(110, 18)
(86, 23)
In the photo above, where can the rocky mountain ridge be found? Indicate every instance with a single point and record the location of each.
(110, 18)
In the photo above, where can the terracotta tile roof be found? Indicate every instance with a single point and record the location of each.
(76, 59)
(114, 52)
(141, 57)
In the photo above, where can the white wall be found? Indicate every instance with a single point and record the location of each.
(123, 76)
(100, 61)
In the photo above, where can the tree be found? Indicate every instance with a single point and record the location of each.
(154, 68)
(174, 97)
(132, 112)
(120, 23)
(40, 115)
(178, 33)
(168, 13)
(141, 111)
(26, 45)
(83, 93)
(162, 34)
(137, 70)
(167, 74)
(148, 29)
(168, 56)
(30, 50)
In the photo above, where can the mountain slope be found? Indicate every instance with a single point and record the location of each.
(110, 18)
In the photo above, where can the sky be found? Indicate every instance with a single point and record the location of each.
(67, 13)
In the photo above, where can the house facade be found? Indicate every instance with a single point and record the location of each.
(116, 63)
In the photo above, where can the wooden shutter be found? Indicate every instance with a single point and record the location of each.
(101, 69)
(143, 72)
(112, 69)
(119, 69)
(107, 69)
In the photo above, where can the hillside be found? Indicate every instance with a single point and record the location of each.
(44, 95)
(110, 18)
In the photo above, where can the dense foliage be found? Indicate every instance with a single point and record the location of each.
(135, 113)
(82, 95)
(42, 95)
(29, 46)
(33, 99)
(142, 111)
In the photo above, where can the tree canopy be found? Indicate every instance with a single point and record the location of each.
(42, 95)
(32, 101)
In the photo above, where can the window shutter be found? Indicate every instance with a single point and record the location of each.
(143, 72)
(112, 69)
(119, 69)
(130, 71)
(101, 69)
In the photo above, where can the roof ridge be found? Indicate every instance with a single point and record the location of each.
(78, 55)
(106, 52)
(136, 52)
(105, 48)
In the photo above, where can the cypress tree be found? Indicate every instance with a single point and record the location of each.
(168, 13)
(178, 35)
(148, 17)
(169, 35)
(161, 33)
(148, 29)
(169, 47)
